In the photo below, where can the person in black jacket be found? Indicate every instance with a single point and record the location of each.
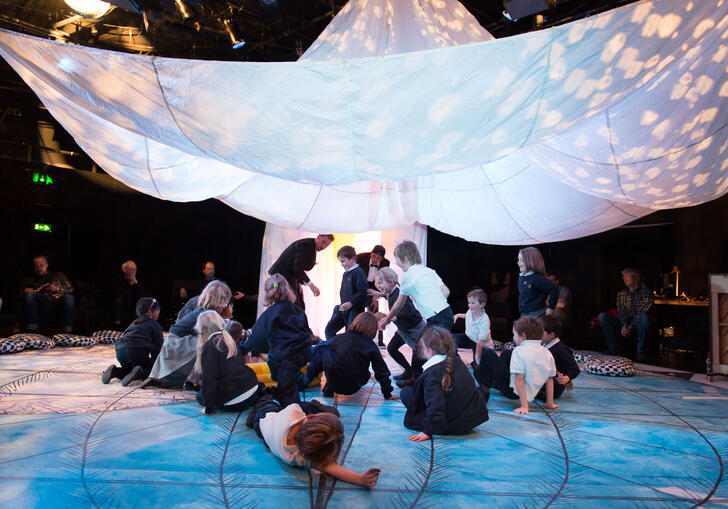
(282, 331)
(227, 383)
(566, 367)
(139, 347)
(444, 399)
(353, 293)
(298, 258)
(345, 359)
(127, 292)
(370, 263)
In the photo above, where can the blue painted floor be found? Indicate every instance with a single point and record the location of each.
(68, 441)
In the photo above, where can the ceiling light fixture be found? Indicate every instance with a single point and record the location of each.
(236, 41)
(89, 8)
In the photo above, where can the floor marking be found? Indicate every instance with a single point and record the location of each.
(692, 495)
(705, 397)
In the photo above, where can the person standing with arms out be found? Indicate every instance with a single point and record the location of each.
(297, 259)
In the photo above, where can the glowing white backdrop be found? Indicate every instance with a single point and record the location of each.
(545, 136)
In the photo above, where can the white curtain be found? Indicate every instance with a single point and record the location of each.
(545, 136)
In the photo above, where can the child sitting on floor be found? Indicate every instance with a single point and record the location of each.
(566, 367)
(306, 435)
(477, 325)
(282, 331)
(227, 383)
(527, 367)
(138, 348)
(408, 320)
(444, 399)
(353, 293)
(346, 357)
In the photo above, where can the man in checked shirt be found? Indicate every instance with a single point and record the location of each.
(633, 303)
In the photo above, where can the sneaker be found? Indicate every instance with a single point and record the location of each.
(191, 386)
(405, 383)
(134, 374)
(108, 374)
(319, 407)
(405, 375)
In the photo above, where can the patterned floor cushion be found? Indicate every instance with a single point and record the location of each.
(584, 355)
(33, 340)
(74, 340)
(609, 366)
(509, 346)
(497, 346)
(107, 337)
(9, 345)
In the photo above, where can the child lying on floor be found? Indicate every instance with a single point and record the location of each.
(309, 434)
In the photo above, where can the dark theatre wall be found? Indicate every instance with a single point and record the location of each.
(99, 223)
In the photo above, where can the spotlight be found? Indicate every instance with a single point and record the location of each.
(183, 8)
(236, 41)
(89, 8)
(507, 15)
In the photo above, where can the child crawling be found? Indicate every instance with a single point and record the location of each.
(306, 438)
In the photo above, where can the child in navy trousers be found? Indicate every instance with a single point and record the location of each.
(353, 293)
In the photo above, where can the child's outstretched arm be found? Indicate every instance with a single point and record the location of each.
(368, 478)
(398, 304)
(520, 384)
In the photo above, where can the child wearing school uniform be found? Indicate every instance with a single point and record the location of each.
(477, 325)
(138, 348)
(353, 293)
(423, 285)
(346, 357)
(444, 399)
(566, 366)
(537, 294)
(308, 435)
(521, 373)
(227, 383)
(408, 320)
(282, 331)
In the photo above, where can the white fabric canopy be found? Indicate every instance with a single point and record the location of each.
(550, 135)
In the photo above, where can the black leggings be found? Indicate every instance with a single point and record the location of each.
(393, 350)
(286, 376)
(494, 371)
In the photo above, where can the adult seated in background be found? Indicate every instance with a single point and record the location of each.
(127, 292)
(633, 303)
(195, 288)
(370, 263)
(46, 292)
(179, 351)
(563, 305)
(298, 258)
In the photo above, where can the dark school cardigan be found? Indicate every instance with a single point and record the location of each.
(145, 335)
(437, 412)
(533, 289)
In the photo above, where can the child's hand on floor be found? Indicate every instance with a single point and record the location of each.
(419, 437)
(370, 477)
(522, 410)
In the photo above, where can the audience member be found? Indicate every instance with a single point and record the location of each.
(353, 293)
(537, 294)
(633, 304)
(562, 311)
(127, 292)
(47, 292)
(298, 258)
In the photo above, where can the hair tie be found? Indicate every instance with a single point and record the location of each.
(275, 285)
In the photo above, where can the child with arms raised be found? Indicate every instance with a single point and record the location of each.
(444, 399)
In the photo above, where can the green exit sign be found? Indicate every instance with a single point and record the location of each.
(42, 227)
(42, 179)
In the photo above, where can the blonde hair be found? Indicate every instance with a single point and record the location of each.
(408, 250)
(210, 323)
(533, 260)
(216, 295)
(387, 274)
(277, 289)
(440, 342)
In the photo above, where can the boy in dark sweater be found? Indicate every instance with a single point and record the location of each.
(345, 359)
(353, 293)
(566, 367)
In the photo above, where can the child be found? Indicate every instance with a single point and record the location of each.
(302, 438)
(566, 367)
(227, 383)
(409, 324)
(282, 331)
(353, 293)
(444, 400)
(138, 348)
(534, 288)
(528, 367)
(424, 286)
(477, 325)
(345, 359)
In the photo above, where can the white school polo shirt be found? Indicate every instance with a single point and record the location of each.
(275, 426)
(480, 330)
(534, 361)
(424, 286)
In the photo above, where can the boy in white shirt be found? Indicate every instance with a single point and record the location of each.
(477, 326)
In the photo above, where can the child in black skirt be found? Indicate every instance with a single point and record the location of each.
(138, 348)
(444, 399)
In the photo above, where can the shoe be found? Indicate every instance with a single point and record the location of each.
(191, 386)
(108, 374)
(321, 408)
(381, 344)
(405, 375)
(326, 391)
(149, 382)
(405, 383)
(134, 374)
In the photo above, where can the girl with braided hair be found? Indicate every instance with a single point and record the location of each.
(444, 399)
